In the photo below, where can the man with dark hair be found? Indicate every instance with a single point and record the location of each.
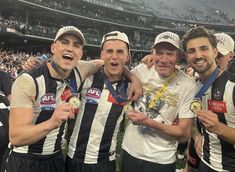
(39, 107)
(92, 147)
(215, 109)
(92, 140)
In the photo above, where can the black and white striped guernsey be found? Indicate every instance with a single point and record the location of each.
(48, 95)
(94, 136)
(220, 98)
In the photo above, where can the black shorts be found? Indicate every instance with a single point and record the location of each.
(73, 165)
(130, 163)
(20, 162)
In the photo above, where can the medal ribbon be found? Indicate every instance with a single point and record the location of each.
(205, 87)
(208, 83)
(162, 90)
(72, 82)
(120, 98)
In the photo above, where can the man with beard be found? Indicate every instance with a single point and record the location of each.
(215, 141)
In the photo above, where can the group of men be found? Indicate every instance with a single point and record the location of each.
(94, 95)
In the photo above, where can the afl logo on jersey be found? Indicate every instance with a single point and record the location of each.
(48, 101)
(93, 95)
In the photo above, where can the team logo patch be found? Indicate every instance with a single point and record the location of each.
(48, 101)
(66, 94)
(217, 94)
(217, 106)
(93, 95)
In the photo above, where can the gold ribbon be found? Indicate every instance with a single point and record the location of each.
(162, 90)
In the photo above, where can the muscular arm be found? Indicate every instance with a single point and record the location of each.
(135, 89)
(22, 130)
(98, 63)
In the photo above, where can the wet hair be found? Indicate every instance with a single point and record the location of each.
(197, 32)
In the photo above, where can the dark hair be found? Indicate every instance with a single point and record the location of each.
(197, 32)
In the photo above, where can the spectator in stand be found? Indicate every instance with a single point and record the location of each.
(5, 97)
(5, 85)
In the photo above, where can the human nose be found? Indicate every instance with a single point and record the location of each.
(197, 54)
(114, 55)
(164, 58)
(69, 47)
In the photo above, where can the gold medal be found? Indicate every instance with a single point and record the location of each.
(75, 101)
(195, 105)
(128, 107)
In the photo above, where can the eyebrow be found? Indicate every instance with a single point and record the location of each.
(204, 46)
(65, 39)
(193, 48)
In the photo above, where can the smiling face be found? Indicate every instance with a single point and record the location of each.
(67, 50)
(201, 56)
(165, 59)
(115, 54)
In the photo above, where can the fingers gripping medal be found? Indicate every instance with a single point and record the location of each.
(128, 107)
(74, 100)
(195, 105)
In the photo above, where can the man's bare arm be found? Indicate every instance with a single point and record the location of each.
(135, 88)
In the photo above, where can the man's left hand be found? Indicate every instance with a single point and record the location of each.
(137, 118)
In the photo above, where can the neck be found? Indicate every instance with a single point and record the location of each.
(205, 75)
(111, 77)
(61, 75)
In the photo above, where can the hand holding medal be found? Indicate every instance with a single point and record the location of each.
(128, 107)
(76, 103)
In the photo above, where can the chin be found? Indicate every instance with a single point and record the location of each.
(67, 68)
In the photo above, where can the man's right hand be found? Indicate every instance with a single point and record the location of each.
(61, 114)
(148, 60)
(29, 64)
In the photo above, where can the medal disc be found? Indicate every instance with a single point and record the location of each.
(75, 102)
(195, 105)
(128, 107)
